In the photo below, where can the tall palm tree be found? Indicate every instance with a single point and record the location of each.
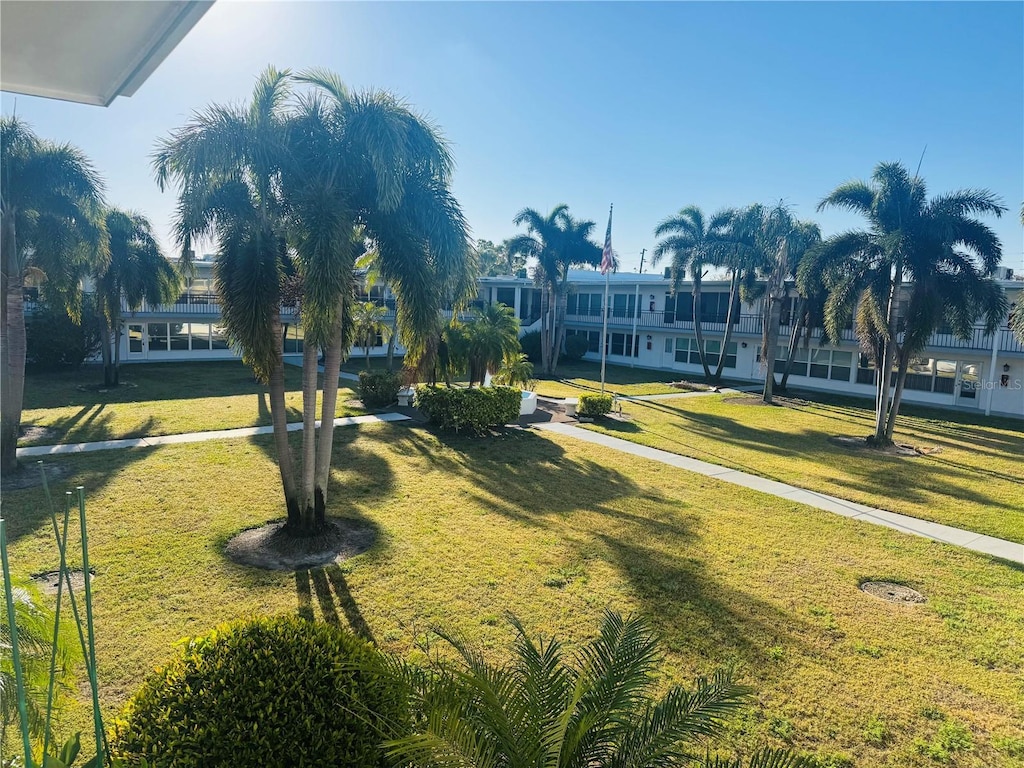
(694, 243)
(780, 242)
(368, 322)
(935, 257)
(543, 710)
(301, 181)
(137, 271)
(558, 242)
(226, 162)
(50, 225)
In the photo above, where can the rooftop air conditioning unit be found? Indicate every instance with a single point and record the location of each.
(1004, 273)
(668, 273)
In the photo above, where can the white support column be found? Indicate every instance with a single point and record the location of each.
(990, 386)
(518, 301)
(636, 319)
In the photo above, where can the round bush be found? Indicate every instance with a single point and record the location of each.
(378, 388)
(576, 347)
(271, 692)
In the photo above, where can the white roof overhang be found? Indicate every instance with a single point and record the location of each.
(89, 51)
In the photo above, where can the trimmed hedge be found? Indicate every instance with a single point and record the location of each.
(594, 405)
(455, 409)
(378, 388)
(270, 692)
(576, 347)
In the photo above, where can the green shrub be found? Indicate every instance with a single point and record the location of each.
(454, 409)
(54, 341)
(576, 347)
(378, 388)
(274, 692)
(594, 405)
(530, 344)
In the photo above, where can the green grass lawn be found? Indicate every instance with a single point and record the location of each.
(975, 482)
(156, 399)
(576, 378)
(556, 531)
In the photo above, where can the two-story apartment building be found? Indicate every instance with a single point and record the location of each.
(649, 326)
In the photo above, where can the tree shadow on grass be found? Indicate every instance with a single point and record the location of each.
(332, 593)
(26, 510)
(695, 613)
(882, 476)
(519, 473)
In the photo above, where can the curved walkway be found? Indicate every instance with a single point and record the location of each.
(988, 545)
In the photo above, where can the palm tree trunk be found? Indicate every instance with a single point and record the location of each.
(14, 372)
(279, 418)
(332, 369)
(894, 408)
(545, 329)
(734, 287)
(117, 349)
(698, 331)
(772, 340)
(888, 349)
(560, 312)
(393, 340)
(309, 375)
(794, 341)
(108, 360)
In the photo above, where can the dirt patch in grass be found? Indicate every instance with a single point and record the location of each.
(34, 434)
(894, 593)
(896, 449)
(27, 475)
(104, 388)
(272, 548)
(48, 580)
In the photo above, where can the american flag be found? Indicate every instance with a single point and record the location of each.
(607, 262)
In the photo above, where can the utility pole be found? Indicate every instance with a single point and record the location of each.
(642, 252)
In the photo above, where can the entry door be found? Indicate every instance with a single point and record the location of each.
(136, 341)
(968, 391)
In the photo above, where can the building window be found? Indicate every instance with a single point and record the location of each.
(623, 344)
(623, 305)
(157, 337)
(945, 376)
(970, 380)
(587, 304)
(669, 345)
(179, 337)
(200, 333)
(866, 370)
(218, 338)
(841, 363)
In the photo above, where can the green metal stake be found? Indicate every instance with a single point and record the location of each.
(56, 616)
(96, 716)
(19, 681)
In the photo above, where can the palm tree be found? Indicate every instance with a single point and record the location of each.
(492, 339)
(50, 226)
(780, 242)
(694, 243)
(301, 181)
(947, 255)
(544, 710)
(137, 271)
(558, 242)
(516, 372)
(34, 624)
(368, 323)
(227, 163)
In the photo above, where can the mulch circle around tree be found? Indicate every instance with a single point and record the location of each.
(270, 547)
(27, 476)
(47, 581)
(752, 400)
(893, 593)
(896, 449)
(104, 388)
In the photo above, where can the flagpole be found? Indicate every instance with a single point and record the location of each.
(607, 261)
(604, 328)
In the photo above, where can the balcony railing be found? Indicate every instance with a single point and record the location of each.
(751, 325)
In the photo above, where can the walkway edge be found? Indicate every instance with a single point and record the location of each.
(193, 437)
(986, 545)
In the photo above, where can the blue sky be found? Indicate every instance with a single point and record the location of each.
(650, 106)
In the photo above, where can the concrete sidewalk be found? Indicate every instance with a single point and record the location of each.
(988, 545)
(193, 437)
